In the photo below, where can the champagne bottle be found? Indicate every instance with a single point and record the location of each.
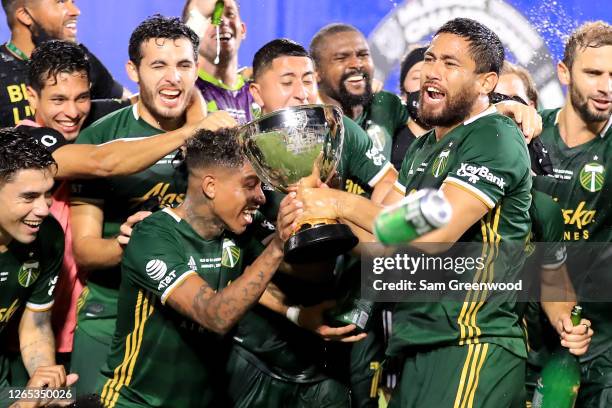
(559, 382)
(415, 215)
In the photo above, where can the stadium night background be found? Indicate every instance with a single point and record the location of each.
(532, 30)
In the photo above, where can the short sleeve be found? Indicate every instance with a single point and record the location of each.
(491, 161)
(51, 241)
(49, 138)
(154, 260)
(362, 160)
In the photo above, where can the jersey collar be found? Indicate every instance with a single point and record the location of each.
(490, 110)
(205, 76)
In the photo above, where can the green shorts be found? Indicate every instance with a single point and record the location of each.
(473, 376)
(250, 387)
(96, 320)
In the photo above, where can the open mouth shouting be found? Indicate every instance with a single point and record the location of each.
(248, 214)
(170, 97)
(433, 94)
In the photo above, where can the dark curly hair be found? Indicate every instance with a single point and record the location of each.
(18, 151)
(486, 48)
(54, 57)
(158, 26)
(220, 148)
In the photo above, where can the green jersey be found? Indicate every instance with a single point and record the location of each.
(582, 185)
(547, 228)
(120, 197)
(485, 156)
(158, 357)
(381, 119)
(28, 275)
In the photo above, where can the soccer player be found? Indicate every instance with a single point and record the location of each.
(31, 249)
(176, 302)
(163, 61)
(222, 86)
(456, 343)
(345, 71)
(578, 137)
(515, 81)
(31, 23)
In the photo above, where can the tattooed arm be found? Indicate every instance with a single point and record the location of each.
(219, 311)
(36, 340)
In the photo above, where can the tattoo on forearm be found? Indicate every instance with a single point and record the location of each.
(223, 309)
(37, 346)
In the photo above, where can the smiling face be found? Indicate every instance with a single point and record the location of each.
(232, 30)
(63, 103)
(237, 195)
(25, 200)
(448, 81)
(590, 83)
(288, 81)
(345, 68)
(58, 19)
(166, 76)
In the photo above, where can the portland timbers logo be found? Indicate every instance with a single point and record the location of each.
(592, 177)
(28, 273)
(230, 254)
(440, 163)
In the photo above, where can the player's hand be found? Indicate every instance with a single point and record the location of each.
(526, 117)
(217, 120)
(125, 231)
(575, 338)
(196, 108)
(319, 203)
(289, 211)
(311, 318)
(49, 377)
(377, 85)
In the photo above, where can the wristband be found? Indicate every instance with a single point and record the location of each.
(293, 314)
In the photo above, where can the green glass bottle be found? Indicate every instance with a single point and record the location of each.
(218, 13)
(560, 379)
(415, 215)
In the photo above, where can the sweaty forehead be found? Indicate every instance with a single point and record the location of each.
(344, 40)
(291, 65)
(154, 47)
(449, 44)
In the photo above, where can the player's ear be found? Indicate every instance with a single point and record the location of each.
(32, 97)
(243, 30)
(209, 184)
(488, 82)
(563, 72)
(132, 71)
(255, 90)
(23, 16)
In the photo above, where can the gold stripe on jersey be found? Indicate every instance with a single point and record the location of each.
(123, 372)
(469, 330)
(494, 238)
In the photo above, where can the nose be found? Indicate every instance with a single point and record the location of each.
(41, 207)
(430, 71)
(260, 198)
(71, 110)
(300, 92)
(172, 75)
(73, 10)
(355, 62)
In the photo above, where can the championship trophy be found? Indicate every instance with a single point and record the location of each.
(288, 145)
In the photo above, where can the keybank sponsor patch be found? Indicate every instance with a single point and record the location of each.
(475, 173)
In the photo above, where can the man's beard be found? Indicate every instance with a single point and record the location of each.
(147, 97)
(581, 105)
(348, 100)
(39, 35)
(457, 109)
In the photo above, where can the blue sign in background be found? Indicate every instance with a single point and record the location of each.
(105, 26)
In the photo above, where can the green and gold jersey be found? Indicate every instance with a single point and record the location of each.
(582, 185)
(119, 197)
(28, 275)
(381, 119)
(158, 357)
(487, 157)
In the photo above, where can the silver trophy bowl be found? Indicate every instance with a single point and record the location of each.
(286, 146)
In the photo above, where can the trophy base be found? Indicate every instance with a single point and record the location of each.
(319, 243)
